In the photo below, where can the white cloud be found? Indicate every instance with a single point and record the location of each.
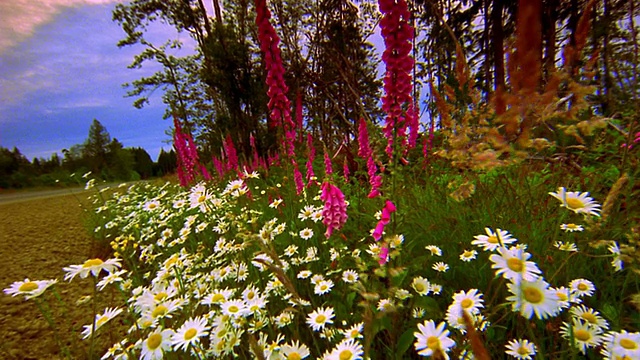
(20, 18)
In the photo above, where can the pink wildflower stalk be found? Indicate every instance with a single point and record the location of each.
(384, 255)
(413, 115)
(364, 149)
(334, 214)
(312, 155)
(188, 162)
(397, 34)
(232, 156)
(297, 177)
(217, 164)
(385, 218)
(279, 105)
(328, 169)
(345, 170)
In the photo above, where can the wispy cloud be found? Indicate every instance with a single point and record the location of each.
(20, 18)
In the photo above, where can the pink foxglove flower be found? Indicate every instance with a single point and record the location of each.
(297, 177)
(334, 214)
(328, 169)
(385, 218)
(187, 154)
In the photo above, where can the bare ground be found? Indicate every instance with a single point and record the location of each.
(38, 237)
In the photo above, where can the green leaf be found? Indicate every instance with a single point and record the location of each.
(404, 342)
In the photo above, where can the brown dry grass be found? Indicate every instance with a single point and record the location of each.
(37, 239)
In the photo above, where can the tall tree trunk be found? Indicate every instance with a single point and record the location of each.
(498, 53)
(549, 19)
(606, 76)
(487, 47)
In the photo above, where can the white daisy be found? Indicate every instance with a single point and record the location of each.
(571, 227)
(622, 345)
(303, 274)
(349, 276)
(319, 318)
(347, 349)
(306, 212)
(189, 333)
(580, 203)
(354, 332)
(566, 246)
(306, 233)
(235, 308)
(436, 251)
(521, 349)
(30, 289)
(617, 263)
(217, 296)
(468, 255)
(295, 350)
(440, 267)
(100, 319)
(533, 297)
(582, 287)
(431, 339)
(492, 241)
(590, 316)
(93, 266)
(151, 205)
(156, 344)
(385, 305)
(323, 287)
(470, 301)
(582, 334)
(512, 264)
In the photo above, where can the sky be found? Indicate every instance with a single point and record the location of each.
(60, 68)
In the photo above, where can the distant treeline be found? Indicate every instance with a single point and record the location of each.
(106, 158)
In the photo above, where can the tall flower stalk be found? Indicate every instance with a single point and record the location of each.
(188, 163)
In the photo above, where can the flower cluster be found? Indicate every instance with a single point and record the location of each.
(365, 152)
(397, 33)
(334, 214)
(188, 163)
(279, 105)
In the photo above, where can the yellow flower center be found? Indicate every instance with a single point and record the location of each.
(562, 296)
(91, 263)
(467, 254)
(523, 350)
(217, 297)
(583, 287)
(320, 319)
(294, 356)
(160, 296)
(251, 295)
(28, 286)
(346, 354)
(492, 239)
(515, 264)
(159, 311)
(582, 335)
(466, 303)
(152, 206)
(101, 320)
(532, 295)
(628, 344)
(573, 203)
(419, 287)
(233, 309)
(201, 198)
(433, 343)
(154, 341)
(591, 318)
(572, 226)
(190, 334)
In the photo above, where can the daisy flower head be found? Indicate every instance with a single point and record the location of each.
(30, 289)
(622, 345)
(421, 285)
(582, 287)
(93, 266)
(385, 305)
(354, 332)
(566, 246)
(521, 349)
(469, 301)
(512, 264)
(303, 274)
(440, 267)
(100, 319)
(435, 288)
(189, 333)
(617, 263)
(582, 334)
(579, 203)
(533, 297)
(492, 241)
(151, 205)
(306, 212)
(589, 316)
(156, 344)
(565, 297)
(431, 339)
(295, 350)
(235, 308)
(571, 227)
(319, 318)
(323, 287)
(275, 203)
(347, 349)
(306, 233)
(468, 255)
(350, 276)
(435, 251)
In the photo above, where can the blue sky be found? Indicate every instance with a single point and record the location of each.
(61, 68)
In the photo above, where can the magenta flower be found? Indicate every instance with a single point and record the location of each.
(334, 214)
(297, 177)
(385, 218)
(188, 163)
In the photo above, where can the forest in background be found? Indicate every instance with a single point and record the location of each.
(104, 157)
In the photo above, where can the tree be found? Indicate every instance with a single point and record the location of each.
(96, 147)
(142, 163)
(167, 163)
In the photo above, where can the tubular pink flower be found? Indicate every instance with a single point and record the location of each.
(385, 218)
(364, 149)
(328, 169)
(297, 177)
(232, 156)
(397, 34)
(279, 105)
(384, 255)
(334, 214)
(187, 154)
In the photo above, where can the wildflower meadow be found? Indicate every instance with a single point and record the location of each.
(459, 240)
